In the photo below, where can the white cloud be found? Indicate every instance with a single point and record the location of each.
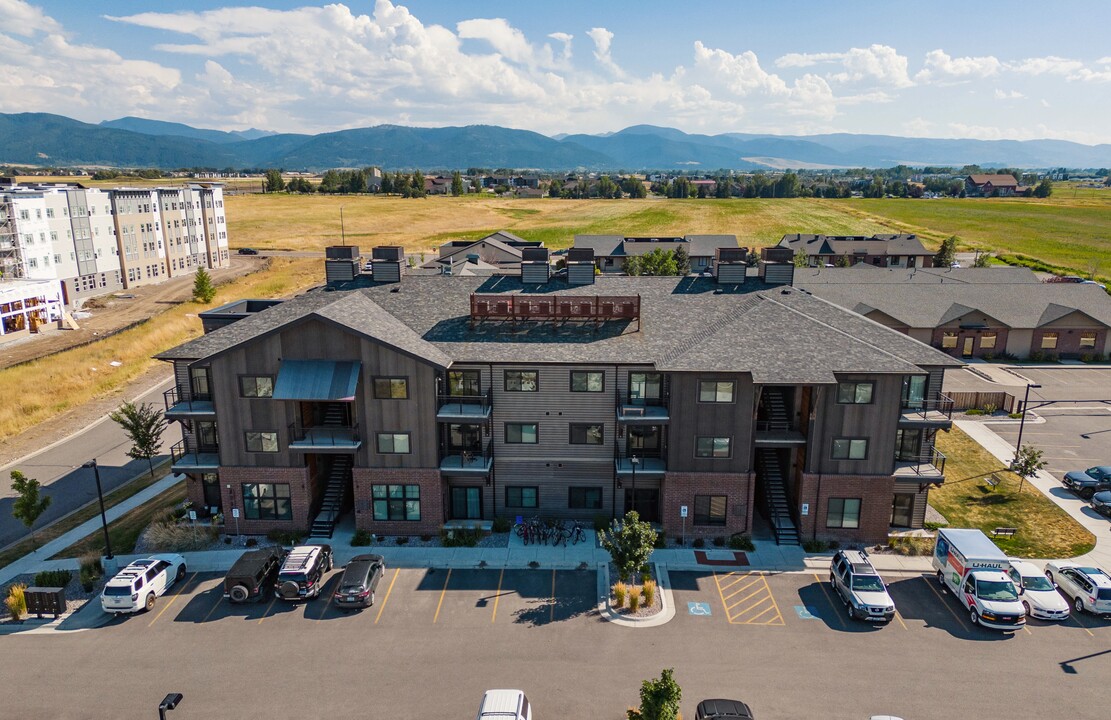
(940, 66)
(918, 127)
(1049, 65)
(602, 40)
(880, 64)
(1008, 95)
(21, 18)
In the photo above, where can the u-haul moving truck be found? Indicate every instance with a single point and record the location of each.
(974, 569)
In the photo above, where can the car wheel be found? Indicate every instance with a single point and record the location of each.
(239, 593)
(941, 580)
(849, 611)
(150, 602)
(974, 616)
(1087, 494)
(371, 597)
(180, 573)
(331, 564)
(1026, 607)
(831, 582)
(1078, 605)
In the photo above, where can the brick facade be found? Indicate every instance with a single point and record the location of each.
(1068, 341)
(680, 488)
(231, 492)
(431, 500)
(194, 490)
(876, 494)
(978, 350)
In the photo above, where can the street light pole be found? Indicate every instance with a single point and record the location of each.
(1022, 423)
(634, 461)
(100, 495)
(169, 702)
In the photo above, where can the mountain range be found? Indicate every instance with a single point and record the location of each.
(54, 140)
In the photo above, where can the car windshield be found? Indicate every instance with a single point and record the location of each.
(353, 578)
(117, 590)
(867, 583)
(998, 590)
(1036, 582)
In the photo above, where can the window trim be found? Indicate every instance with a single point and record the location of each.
(405, 499)
(991, 335)
(245, 396)
(584, 506)
(521, 505)
(732, 391)
(708, 516)
(856, 389)
(247, 502)
(374, 385)
(571, 433)
(712, 438)
(260, 433)
(507, 441)
(1087, 339)
(393, 440)
(1056, 336)
(850, 440)
(842, 526)
(949, 339)
(505, 380)
(571, 380)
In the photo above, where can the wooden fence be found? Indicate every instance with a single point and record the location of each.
(967, 400)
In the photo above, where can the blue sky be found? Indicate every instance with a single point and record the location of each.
(940, 69)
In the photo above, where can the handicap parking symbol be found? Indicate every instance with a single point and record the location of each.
(807, 612)
(698, 608)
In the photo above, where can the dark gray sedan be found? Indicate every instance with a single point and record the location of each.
(359, 582)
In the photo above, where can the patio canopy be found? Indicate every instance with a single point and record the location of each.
(317, 380)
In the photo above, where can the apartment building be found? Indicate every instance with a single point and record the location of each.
(438, 400)
(193, 227)
(898, 251)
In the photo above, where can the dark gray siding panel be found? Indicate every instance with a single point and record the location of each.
(876, 421)
(554, 479)
(691, 419)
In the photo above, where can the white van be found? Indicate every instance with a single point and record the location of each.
(136, 586)
(974, 569)
(504, 705)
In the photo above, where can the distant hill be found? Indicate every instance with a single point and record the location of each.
(44, 139)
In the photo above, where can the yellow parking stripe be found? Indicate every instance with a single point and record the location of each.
(726, 587)
(772, 596)
(1076, 616)
(218, 601)
(497, 596)
(832, 601)
(757, 591)
(173, 597)
(386, 599)
(740, 611)
(943, 600)
(272, 601)
(551, 615)
(442, 593)
(742, 589)
(900, 619)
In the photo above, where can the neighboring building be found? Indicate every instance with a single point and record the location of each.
(974, 312)
(27, 305)
(497, 251)
(988, 185)
(460, 399)
(610, 251)
(193, 227)
(879, 250)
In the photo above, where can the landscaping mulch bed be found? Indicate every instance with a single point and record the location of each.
(76, 597)
(643, 611)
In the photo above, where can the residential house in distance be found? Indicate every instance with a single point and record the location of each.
(610, 251)
(497, 251)
(879, 250)
(988, 185)
(434, 401)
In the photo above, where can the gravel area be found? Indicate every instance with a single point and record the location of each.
(494, 540)
(222, 542)
(76, 597)
(644, 610)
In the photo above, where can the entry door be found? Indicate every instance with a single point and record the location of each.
(646, 501)
(907, 443)
(901, 510)
(466, 503)
(212, 498)
(969, 342)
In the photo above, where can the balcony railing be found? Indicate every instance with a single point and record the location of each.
(928, 464)
(324, 437)
(651, 462)
(464, 407)
(469, 459)
(936, 409)
(644, 410)
(198, 405)
(184, 458)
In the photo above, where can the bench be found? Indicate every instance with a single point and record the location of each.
(1004, 532)
(993, 482)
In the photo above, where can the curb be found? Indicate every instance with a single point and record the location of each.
(667, 603)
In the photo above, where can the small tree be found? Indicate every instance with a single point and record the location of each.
(1044, 188)
(629, 543)
(144, 425)
(983, 260)
(274, 181)
(659, 699)
(456, 184)
(947, 253)
(28, 507)
(203, 289)
(843, 261)
(1028, 461)
(682, 260)
(801, 260)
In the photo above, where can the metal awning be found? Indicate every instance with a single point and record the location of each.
(317, 380)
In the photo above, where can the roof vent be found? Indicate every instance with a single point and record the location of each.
(386, 263)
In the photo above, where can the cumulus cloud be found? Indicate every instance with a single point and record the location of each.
(602, 40)
(879, 64)
(940, 66)
(21, 18)
(1008, 94)
(1049, 65)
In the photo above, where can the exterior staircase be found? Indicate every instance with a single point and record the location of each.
(775, 497)
(775, 405)
(334, 494)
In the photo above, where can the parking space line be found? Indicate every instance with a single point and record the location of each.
(1081, 624)
(497, 596)
(899, 617)
(173, 597)
(218, 601)
(747, 586)
(943, 599)
(752, 602)
(726, 587)
(746, 597)
(762, 613)
(386, 599)
(551, 614)
(772, 596)
(829, 594)
(442, 593)
(267, 612)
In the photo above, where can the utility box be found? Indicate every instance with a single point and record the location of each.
(45, 600)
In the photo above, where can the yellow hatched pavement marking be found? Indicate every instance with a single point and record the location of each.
(755, 601)
(744, 587)
(181, 591)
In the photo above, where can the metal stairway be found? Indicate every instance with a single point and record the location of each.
(775, 497)
(334, 494)
(775, 404)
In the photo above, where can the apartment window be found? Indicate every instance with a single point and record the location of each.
(1087, 340)
(393, 443)
(256, 386)
(715, 391)
(463, 382)
(710, 509)
(587, 434)
(522, 433)
(843, 513)
(588, 381)
(522, 380)
(391, 388)
(987, 340)
(262, 441)
(584, 498)
(50, 212)
(267, 501)
(854, 393)
(522, 496)
(850, 449)
(1049, 341)
(712, 447)
(948, 339)
(396, 502)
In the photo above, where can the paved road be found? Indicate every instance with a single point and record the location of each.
(71, 486)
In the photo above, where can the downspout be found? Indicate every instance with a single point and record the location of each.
(613, 490)
(493, 461)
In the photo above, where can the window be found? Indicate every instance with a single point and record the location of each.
(710, 509)
(588, 381)
(584, 498)
(1087, 340)
(463, 382)
(396, 502)
(843, 513)
(522, 496)
(256, 386)
(987, 340)
(712, 447)
(1049, 341)
(587, 434)
(948, 339)
(522, 433)
(262, 441)
(715, 391)
(522, 380)
(393, 443)
(645, 387)
(849, 449)
(267, 501)
(854, 393)
(391, 388)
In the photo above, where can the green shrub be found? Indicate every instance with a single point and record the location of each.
(401, 539)
(699, 543)
(1014, 416)
(251, 542)
(634, 598)
(932, 525)
(990, 408)
(284, 537)
(361, 538)
(911, 545)
(171, 537)
(741, 542)
(814, 546)
(661, 540)
(16, 601)
(719, 541)
(425, 537)
(974, 411)
(53, 578)
(620, 590)
(649, 588)
(90, 571)
(502, 525)
(466, 537)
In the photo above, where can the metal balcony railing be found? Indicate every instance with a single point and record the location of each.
(199, 403)
(466, 405)
(928, 463)
(468, 457)
(939, 404)
(324, 435)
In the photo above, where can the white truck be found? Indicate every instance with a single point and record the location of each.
(974, 569)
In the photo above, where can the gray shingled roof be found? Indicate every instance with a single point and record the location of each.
(617, 245)
(902, 244)
(864, 273)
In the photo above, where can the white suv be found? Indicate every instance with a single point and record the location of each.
(1089, 588)
(860, 587)
(136, 586)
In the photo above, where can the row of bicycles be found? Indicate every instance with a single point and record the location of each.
(541, 532)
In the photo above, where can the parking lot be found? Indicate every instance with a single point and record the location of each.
(435, 640)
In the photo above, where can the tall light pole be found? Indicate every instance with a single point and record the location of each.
(342, 233)
(100, 495)
(1022, 423)
(634, 461)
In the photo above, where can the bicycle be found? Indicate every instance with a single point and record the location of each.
(577, 534)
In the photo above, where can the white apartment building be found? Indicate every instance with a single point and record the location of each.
(194, 228)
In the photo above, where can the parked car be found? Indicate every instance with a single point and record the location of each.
(860, 587)
(1087, 483)
(248, 251)
(1038, 596)
(359, 582)
(504, 705)
(721, 710)
(252, 575)
(1089, 588)
(1101, 502)
(302, 573)
(136, 586)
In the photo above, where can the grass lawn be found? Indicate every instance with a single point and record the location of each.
(125, 530)
(966, 501)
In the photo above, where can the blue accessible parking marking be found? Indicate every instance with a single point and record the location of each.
(807, 612)
(698, 608)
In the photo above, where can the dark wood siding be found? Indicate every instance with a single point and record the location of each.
(691, 418)
(876, 421)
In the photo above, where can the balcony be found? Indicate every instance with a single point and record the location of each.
(464, 408)
(183, 459)
(465, 461)
(928, 467)
(774, 433)
(936, 413)
(642, 411)
(199, 406)
(324, 438)
(651, 465)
